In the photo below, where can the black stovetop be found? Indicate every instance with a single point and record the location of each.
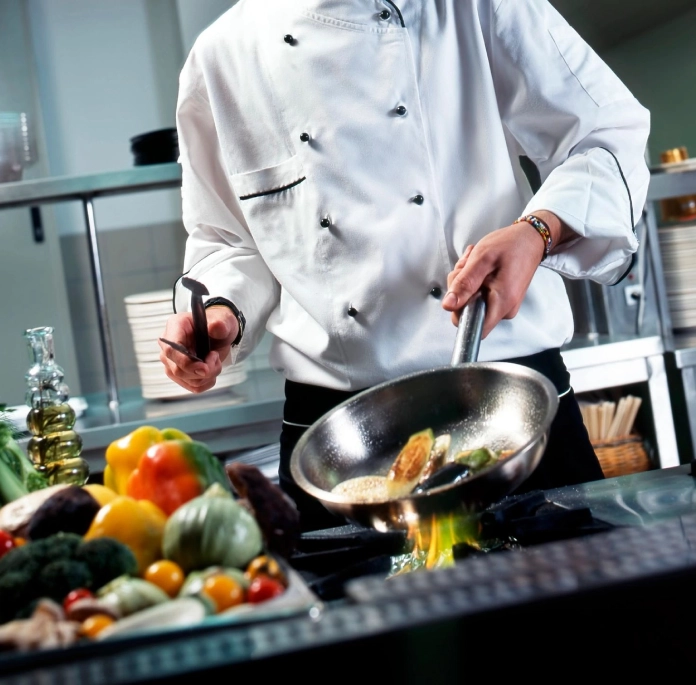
(327, 559)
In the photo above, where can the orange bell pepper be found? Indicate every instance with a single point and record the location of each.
(173, 472)
(123, 455)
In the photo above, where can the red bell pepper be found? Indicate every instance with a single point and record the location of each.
(173, 472)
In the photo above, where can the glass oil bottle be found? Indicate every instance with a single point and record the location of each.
(54, 447)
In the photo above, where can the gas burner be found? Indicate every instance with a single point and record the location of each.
(531, 519)
(327, 559)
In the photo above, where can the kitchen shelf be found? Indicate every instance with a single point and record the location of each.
(85, 189)
(666, 184)
(63, 188)
(680, 346)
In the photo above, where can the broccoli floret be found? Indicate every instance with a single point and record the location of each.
(55, 547)
(20, 559)
(32, 557)
(16, 590)
(58, 578)
(41, 568)
(107, 559)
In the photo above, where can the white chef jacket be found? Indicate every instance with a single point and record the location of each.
(338, 156)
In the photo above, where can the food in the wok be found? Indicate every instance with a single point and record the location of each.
(405, 471)
(446, 475)
(423, 464)
(437, 458)
(364, 489)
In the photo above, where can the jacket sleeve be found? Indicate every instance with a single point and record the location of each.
(573, 117)
(220, 251)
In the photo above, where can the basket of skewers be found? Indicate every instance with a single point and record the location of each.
(610, 425)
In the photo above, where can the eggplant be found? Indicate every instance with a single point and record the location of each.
(446, 475)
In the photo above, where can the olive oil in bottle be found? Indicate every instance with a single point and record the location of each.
(54, 446)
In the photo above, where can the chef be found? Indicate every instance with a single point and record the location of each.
(355, 170)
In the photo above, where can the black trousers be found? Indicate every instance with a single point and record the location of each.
(569, 458)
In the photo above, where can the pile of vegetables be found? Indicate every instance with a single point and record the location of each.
(18, 477)
(167, 531)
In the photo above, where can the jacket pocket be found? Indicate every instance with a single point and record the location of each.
(276, 202)
(269, 181)
(593, 75)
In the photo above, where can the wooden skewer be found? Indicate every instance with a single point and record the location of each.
(593, 421)
(617, 423)
(635, 406)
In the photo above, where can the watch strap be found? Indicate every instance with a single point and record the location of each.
(213, 301)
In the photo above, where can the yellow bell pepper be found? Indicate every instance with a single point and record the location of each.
(123, 455)
(138, 524)
(101, 493)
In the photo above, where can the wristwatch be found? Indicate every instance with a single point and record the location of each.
(235, 310)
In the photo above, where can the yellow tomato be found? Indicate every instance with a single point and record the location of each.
(264, 564)
(92, 626)
(167, 575)
(224, 591)
(101, 493)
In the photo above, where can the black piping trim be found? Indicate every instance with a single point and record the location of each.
(273, 190)
(628, 271)
(630, 204)
(398, 11)
(623, 178)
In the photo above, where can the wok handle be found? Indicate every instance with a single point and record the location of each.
(468, 340)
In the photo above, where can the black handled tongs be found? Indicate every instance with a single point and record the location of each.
(200, 321)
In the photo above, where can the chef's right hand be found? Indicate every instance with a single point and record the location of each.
(198, 376)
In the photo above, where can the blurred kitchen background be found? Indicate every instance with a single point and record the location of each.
(89, 76)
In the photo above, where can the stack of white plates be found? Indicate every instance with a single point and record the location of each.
(678, 247)
(147, 315)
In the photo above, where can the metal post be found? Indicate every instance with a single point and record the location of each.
(659, 277)
(102, 314)
(663, 419)
(591, 314)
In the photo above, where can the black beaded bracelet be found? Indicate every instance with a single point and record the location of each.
(235, 310)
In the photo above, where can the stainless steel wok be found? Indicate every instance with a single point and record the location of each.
(497, 405)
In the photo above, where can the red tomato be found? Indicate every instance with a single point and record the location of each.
(74, 595)
(7, 542)
(264, 587)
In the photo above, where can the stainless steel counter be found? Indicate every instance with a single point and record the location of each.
(241, 417)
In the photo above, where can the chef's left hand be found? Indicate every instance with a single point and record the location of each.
(501, 265)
